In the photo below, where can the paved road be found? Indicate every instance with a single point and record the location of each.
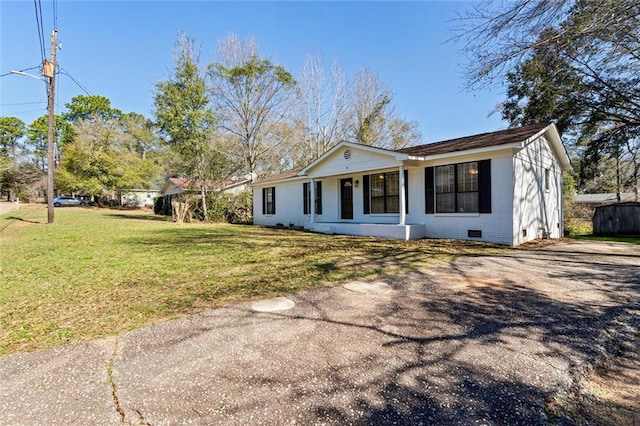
(483, 340)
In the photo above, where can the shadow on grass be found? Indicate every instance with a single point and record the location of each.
(139, 216)
(630, 239)
(21, 219)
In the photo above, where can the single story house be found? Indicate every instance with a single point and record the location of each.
(138, 197)
(502, 187)
(595, 200)
(178, 185)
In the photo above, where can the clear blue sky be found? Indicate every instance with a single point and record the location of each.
(119, 49)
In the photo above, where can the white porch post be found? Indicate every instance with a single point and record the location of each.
(401, 197)
(312, 202)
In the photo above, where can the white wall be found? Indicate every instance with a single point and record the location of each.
(289, 208)
(496, 227)
(138, 198)
(536, 210)
(360, 161)
(518, 199)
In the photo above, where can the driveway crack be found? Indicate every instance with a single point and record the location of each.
(112, 383)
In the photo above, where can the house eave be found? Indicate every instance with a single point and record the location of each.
(472, 152)
(276, 181)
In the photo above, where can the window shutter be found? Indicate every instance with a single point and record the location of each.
(484, 186)
(319, 197)
(264, 200)
(428, 190)
(365, 192)
(274, 200)
(406, 191)
(305, 198)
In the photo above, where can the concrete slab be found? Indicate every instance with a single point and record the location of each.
(376, 287)
(273, 305)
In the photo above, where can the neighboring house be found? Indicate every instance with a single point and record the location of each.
(138, 197)
(503, 187)
(595, 200)
(175, 185)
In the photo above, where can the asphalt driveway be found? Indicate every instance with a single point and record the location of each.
(483, 340)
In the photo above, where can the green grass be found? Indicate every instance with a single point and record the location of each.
(631, 240)
(98, 272)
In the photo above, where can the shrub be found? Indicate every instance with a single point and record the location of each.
(230, 208)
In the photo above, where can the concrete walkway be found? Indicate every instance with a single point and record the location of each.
(484, 340)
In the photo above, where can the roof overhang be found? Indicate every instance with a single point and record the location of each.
(398, 156)
(553, 136)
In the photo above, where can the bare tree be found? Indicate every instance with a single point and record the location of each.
(373, 117)
(323, 106)
(499, 35)
(250, 96)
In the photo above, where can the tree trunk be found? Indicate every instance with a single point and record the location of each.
(204, 203)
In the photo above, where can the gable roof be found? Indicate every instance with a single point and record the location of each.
(398, 155)
(483, 140)
(516, 137)
(180, 184)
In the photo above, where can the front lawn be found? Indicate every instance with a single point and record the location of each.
(98, 272)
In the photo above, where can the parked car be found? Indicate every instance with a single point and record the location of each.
(68, 201)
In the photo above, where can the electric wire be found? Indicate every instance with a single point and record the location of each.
(40, 27)
(84, 89)
(55, 15)
(23, 103)
(26, 69)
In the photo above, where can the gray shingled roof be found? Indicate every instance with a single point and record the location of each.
(279, 176)
(483, 140)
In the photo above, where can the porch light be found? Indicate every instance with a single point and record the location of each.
(473, 171)
(357, 183)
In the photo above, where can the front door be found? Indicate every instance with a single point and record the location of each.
(346, 198)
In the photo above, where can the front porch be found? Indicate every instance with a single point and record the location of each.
(395, 231)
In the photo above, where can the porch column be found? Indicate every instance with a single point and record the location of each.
(401, 197)
(312, 202)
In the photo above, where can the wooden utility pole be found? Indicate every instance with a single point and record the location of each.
(49, 70)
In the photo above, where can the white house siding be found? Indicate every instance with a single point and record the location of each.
(138, 198)
(536, 212)
(360, 161)
(289, 209)
(496, 227)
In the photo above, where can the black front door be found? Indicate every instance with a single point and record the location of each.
(346, 198)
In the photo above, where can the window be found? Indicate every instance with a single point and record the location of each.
(459, 188)
(269, 200)
(382, 192)
(547, 182)
(306, 198)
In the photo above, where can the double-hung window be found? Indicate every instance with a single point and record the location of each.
(459, 188)
(269, 200)
(382, 192)
(306, 198)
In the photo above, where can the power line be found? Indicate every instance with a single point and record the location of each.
(40, 27)
(55, 14)
(23, 103)
(65, 72)
(26, 69)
